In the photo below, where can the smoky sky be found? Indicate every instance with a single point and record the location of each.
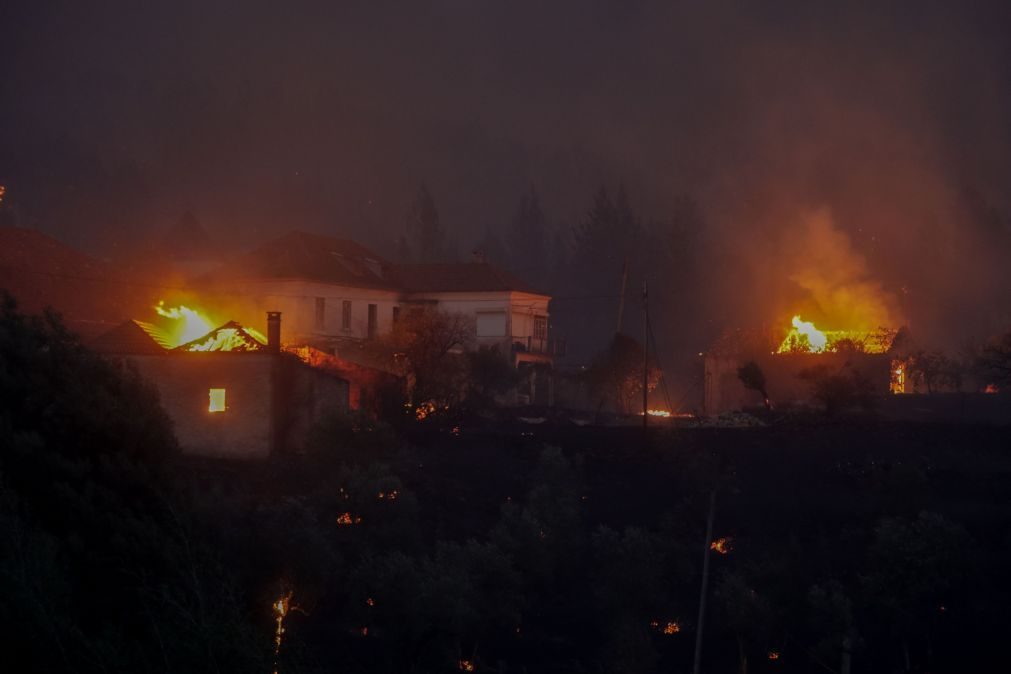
(260, 117)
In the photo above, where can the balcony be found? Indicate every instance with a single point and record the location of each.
(543, 346)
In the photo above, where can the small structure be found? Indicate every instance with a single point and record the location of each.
(870, 359)
(229, 394)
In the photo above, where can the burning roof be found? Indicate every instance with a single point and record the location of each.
(144, 339)
(229, 337)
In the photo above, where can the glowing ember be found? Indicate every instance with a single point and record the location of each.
(774, 655)
(281, 607)
(370, 601)
(466, 666)
(721, 545)
(991, 388)
(671, 628)
(422, 411)
(346, 519)
(389, 495)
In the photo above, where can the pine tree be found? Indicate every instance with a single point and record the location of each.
(424, 230)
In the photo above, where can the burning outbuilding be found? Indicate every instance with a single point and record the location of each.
(787, 357)
(231, 393)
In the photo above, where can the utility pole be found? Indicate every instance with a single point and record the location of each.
(645, 354)
(621, 297)
(697, 668)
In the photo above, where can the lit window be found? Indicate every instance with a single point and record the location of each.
(217, 400)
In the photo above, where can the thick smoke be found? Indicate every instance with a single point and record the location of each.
(840, 290)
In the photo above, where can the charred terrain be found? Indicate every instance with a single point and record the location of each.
(860, 543)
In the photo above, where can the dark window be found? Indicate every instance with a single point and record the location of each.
(320, 313)
(346, 315)
(396, 315)
(540, 327)
(373, 318)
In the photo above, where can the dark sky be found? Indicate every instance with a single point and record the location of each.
(892, 118)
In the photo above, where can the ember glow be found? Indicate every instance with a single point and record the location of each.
(282, 605)
(347, 519)
(721, 545)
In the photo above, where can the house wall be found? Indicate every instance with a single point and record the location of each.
(296, 300)
(271, 401)
(518, 308)
(244, 430)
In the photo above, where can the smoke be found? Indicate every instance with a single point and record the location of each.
(328, 116)
(839, 290)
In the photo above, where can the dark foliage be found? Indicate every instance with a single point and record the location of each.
(881, 547)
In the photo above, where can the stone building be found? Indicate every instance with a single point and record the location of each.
(243, 402)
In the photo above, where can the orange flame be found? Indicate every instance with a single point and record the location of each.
(721, 545)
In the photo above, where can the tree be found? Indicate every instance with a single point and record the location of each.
(526, 238)
(933, 370)
(99, 567)
(428, 347)
(425, 233)
(753, 378)
(491, 373)
(993, 361)
(616, 374)
(839, 390)
(918, 568)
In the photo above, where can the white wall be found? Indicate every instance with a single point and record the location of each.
(296, 300)
(519, 308)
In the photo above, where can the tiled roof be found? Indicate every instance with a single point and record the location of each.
(40, 271)
(133, 338)
(458, 277)
(310, 257)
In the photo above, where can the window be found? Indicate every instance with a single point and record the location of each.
(491, 324)
(540, 327)
(373, 320)
(320, 313)
(346, 315)
(396, 315)
(216, 397)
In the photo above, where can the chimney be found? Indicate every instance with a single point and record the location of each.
(274, 331)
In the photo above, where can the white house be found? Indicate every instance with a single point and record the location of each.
(330, 290)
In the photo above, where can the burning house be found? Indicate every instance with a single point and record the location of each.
(786, 359)
(231, 393)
